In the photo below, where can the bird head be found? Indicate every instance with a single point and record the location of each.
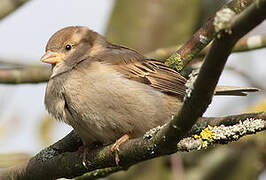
(70, 45)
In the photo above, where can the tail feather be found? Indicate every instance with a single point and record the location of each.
(234, 90)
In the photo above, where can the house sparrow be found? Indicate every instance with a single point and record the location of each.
(108, 92)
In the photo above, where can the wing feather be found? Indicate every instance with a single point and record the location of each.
(154, 73)
(151, 72)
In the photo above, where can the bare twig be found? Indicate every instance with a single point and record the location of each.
(243, 45)
(31, 74)
(250, 43)
(28, 74)
(8, 6)
(42, 73)
(201, 38)
(179, 59)
(11, 63)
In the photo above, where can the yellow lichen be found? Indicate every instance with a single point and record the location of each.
(196, 136)
(206, 134)
(206, 137)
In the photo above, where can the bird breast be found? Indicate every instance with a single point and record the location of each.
(102, 105)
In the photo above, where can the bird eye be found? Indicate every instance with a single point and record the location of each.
(68, 47)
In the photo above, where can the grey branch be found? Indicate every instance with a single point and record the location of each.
(66, 159)
(221, 133)
(8, 6)
(39, 74)
(201, 38)
(27, 74)
(204, 86)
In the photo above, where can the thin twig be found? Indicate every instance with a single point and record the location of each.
(28, 74)
(201, 38)
(8, 6)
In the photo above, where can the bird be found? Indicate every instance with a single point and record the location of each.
(107, 92)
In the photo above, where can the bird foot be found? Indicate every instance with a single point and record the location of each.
(116, 145)
(84, 150)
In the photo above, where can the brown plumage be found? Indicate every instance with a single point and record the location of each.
(105, 91)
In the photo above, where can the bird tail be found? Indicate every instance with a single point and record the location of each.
(234, 90)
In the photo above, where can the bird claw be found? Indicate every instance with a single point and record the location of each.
(84, 164)
(115, 149)
(84, 150)
(116, 145)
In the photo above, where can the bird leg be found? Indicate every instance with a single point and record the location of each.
(85, 149)
(116, 145)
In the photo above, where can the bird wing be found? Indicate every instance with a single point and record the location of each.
(136, 67)
(156, 74)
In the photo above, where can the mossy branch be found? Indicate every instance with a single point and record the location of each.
(63, 159)
(243, 45)
(201, 38)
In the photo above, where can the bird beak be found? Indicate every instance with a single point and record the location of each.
(52, 57)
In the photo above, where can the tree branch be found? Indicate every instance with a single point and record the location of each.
(201, 38)
(39, 74)
(178, 60)
(249, 43)
(99, 173)
(66, 159)
(243, 45)
(202, 90)
(28, 74)
(8, 6)
(225, 130)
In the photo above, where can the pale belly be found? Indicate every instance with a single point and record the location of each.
(105, 106)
